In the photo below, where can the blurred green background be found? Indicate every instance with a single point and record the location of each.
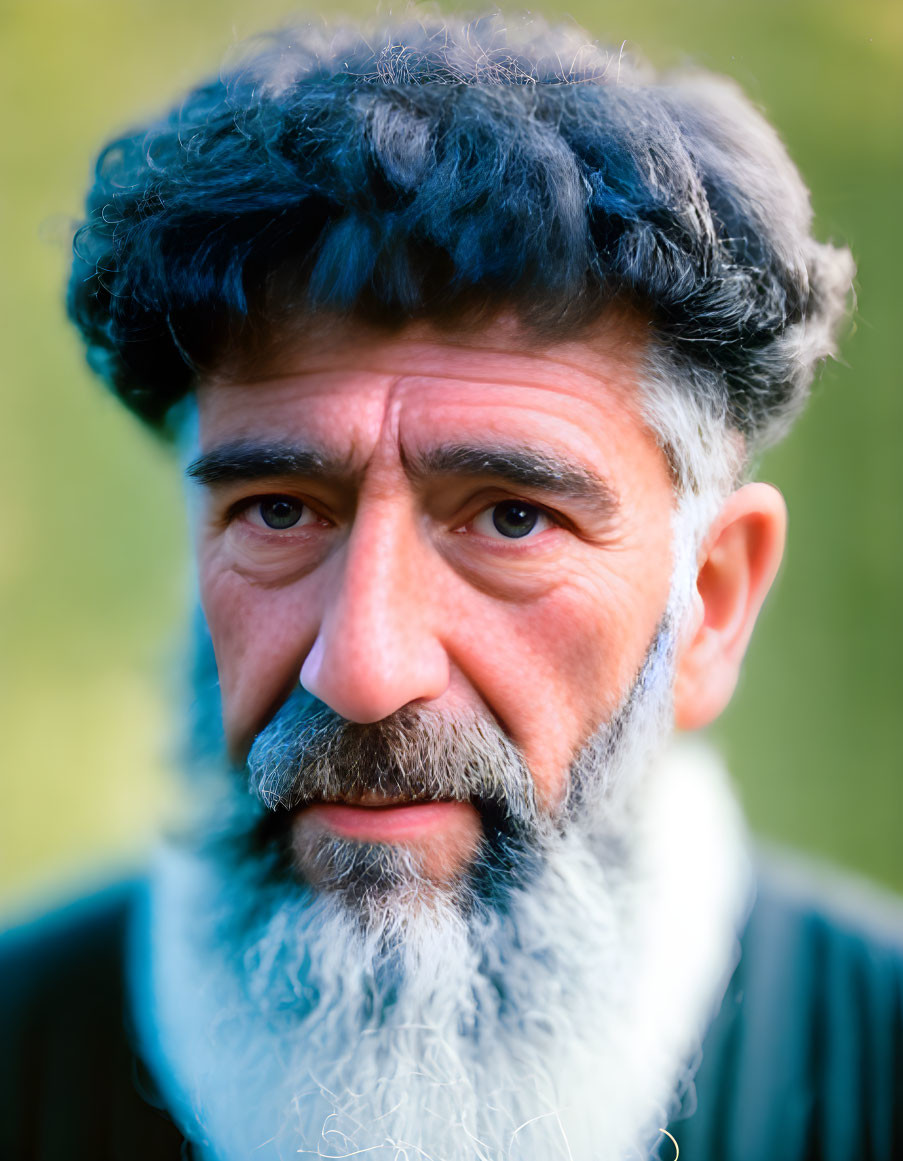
(93, 560)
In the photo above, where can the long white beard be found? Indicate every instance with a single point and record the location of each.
(562, 1026)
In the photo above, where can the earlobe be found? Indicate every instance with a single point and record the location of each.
(738, 564)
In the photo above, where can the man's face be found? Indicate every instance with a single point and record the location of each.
(462, 549)
(460, 525)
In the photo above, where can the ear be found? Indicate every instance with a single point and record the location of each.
(738, 562)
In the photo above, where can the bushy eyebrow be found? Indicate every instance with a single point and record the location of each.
(518, 466)
(237, 462)
(524, 467)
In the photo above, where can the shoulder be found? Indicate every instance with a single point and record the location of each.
(78, 936)
(69, 1082)
(805, 1057)
(57, 968)
(849, 906)
(821, 938)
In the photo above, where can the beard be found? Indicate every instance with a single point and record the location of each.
(330, 1000)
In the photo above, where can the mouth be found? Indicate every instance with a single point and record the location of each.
(376, 818)
(441, 836)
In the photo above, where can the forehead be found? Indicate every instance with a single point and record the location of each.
(350, 388)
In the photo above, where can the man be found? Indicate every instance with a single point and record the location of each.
(468, 339)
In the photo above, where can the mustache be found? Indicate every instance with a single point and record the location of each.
(308, 753)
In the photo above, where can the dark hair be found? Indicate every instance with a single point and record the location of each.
(431, 170)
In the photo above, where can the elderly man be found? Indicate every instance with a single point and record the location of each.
(468, 339)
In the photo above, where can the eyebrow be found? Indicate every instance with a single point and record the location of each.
(525, 467)
(236, 462)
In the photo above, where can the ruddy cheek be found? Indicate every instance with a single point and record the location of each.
(260, 637)
(575, 659)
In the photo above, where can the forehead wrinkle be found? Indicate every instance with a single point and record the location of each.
(527, 464)
(408, 359)
(622, 386)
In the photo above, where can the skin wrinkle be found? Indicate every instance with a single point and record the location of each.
(618, 336)
(548, 387)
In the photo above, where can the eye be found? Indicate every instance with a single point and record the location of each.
(512, 520)
(279, 512)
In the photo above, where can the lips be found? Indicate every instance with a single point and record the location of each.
(376, 818)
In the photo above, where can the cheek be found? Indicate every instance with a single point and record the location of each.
(261, 637)
(554, 668)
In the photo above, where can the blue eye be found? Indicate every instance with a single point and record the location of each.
(511, 519)
(280, 511)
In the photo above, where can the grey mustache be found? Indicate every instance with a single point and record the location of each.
(309, 753)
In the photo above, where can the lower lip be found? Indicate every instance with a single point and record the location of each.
(386, 824)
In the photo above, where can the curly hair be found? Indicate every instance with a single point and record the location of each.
(443, 170)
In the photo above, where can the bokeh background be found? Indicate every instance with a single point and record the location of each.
(94, 579)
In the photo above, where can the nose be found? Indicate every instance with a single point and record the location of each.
(378, 646)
